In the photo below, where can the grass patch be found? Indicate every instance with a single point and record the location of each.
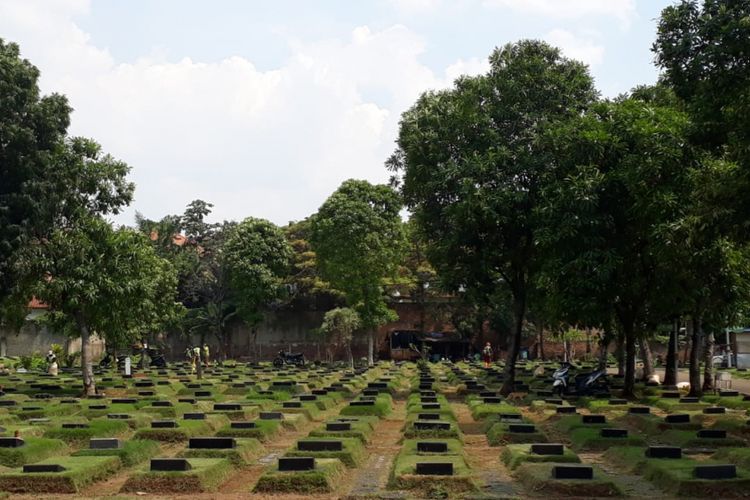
(381, 408)
(499, 434)
(132, 452)
(327, 473)
(590, 439)
(96, 428)
(353, 453)
(207, 475)
(34, 450)
(263, 431)
(689, 439)
(514, 455)
(403, 476)
(247, 450)
(185, 429)
(538, 478)
(676, 477)
(80, 472)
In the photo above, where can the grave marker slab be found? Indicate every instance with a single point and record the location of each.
(434, 469)
(242, 425)
(614, 433)
(547, 449)
(320, 445)
(338, 426)
(572, 472)
(105, 443)
(212, 443)
(170, 465)
(593, 419)
(163, 424)
(664, 452)
(677, 418)
(41, 468)
(432, 447)
(715, 472)
(290, 464)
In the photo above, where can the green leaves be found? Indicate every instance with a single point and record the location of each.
(257, 256)
(359, 240)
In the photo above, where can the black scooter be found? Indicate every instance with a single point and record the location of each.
(289, 358)
(584, 384)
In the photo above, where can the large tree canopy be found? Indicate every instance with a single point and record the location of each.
(104, 281)
(359, 240)
(473, 168)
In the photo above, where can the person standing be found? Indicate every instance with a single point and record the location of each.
(487, 354)
(206, 359)
(52, 367)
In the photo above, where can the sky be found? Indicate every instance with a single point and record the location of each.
(264, 108)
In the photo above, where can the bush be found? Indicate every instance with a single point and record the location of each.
(34, 450)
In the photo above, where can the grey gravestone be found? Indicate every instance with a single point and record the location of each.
(104, 443)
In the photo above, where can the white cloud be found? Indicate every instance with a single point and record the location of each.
(271, 143)
(576, 47)
(623, 10)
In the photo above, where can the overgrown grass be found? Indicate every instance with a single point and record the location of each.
(132, 452)
(206, 475)
(323, 479)
(537, 477)
(514, 455)
(34, 450)
(80, 472)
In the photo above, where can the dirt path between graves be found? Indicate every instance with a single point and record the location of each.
(492, 476)
(371, 479)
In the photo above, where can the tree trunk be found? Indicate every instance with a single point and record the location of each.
(509, 372)
(670, 371)
(648, 360)
(708, 366)
(620, 353)
(588, 342)
(198, 364)
(695, 369)
(87, 369)
(228, 354)
(604, 349)
(371, 347)
(541, 344)
(629, 386)
(349, 355)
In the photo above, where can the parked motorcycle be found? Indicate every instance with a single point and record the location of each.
(289, 358)
(584, 384)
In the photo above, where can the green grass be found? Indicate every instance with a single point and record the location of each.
(567, 423)
(514, 455)
(185, 429)
(34, 450)
(264, 431)
(81, 471)
(483, 411)
(323, 479)
(499, 434)
(361, 429)
(676, 477)
(689, 439)
(352, 455)
(246, 451)
(132, 452)
(381, 408)
(403, 476)
(591, 440)
(537, 477)
(206, 475)
(738, 456)
(97, 428)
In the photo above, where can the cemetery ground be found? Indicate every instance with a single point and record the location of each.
(390, 431)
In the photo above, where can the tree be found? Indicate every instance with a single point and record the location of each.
(704, 51)
(338, 327)
(97, 280)
(359, 239)
(257, 258)
(612, 218)
(48, 179)
(473, 169)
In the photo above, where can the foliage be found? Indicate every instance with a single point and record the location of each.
(365, 217)
(35, 361)
(339, 326)
(257, 258)
(473, 167)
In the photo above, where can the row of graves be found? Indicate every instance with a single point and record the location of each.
(683, 446)
(432, 457)
(171, 433)
(316, 463)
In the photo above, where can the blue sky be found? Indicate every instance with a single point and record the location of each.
(264, 108)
